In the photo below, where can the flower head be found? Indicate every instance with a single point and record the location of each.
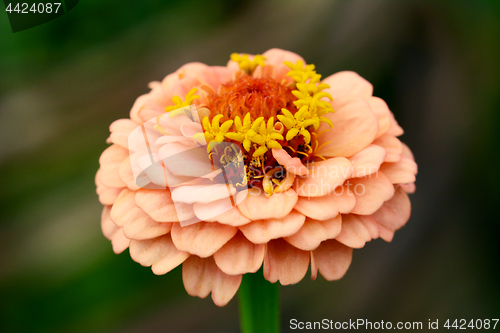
(298, 171)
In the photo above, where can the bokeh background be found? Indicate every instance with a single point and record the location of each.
(436, 63)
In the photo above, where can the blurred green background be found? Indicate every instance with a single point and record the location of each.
(436, 63)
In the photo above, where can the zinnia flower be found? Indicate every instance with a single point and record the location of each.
(319, 171)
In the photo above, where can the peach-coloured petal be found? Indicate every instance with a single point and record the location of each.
(394, 213)
(402, 172)
(135, 222)
(230, 215)
(159, 253)
(224, 287)
(110, 161)
(409, 188)
(395, 129)
(354, 127)
(367, 161)
(198, 275)
(313, 232)
(385, 233)
(392, 146)
(202, 193)
(293, 165)
(357, 230)
(113, 232)
(383, 114)
(159, 205)
(203, 238)
(284, 263)
(120, 242)
(127, 175)
(348, 83)
(261, 232)
(256, 206)
(107, 195)
(341, 200)
(325, 177)
(120, 130)
(240, 256)
(371, 192)
(332, 259)
(276, 58)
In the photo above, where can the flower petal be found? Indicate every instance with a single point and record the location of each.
(220, 211)
(203, 238)
(392, 146)
(402, 172)
(202, 193)
(240, 256)
(348, 83)
(113, 232)
(313, 232)
(383, 114)
(276, 58)
(354, 128)
(332, 259)
(159, 253)
(357, 230)
(159, 205)
(256, 206)
(127, 175)
(120, 130)
(135, 222)
(224, 287)
(107, 195)
(341, 200)
(293, 165)
(261, 232)
(367, 161)
(371, 192)
(394, 213)
(284, 262)
(325, 177)
(198, 275)
(110, 161)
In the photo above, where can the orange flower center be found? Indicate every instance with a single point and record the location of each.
(262, 97)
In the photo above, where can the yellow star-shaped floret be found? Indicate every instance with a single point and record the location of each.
(246, 64)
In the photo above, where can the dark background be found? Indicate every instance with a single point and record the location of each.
(436, 63)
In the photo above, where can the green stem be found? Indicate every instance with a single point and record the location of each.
(259, 302)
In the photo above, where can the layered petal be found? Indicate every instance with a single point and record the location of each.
(348, 83)
(383, 114)
(332, 259)
(313, 232)
(370, 193)
(160, 253)
(240, 256)
(256, 206)
(261, 232)
(392, 146)
(401, 172)
(284, 263)
(354, 127)
(325, 177)
(110, 162)
(395, 212)
(201, 276)
(203, 238)
(367, 161)
(135, 222)
(120, 130)
(341, 200)
(357, 230)
(159, 205)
